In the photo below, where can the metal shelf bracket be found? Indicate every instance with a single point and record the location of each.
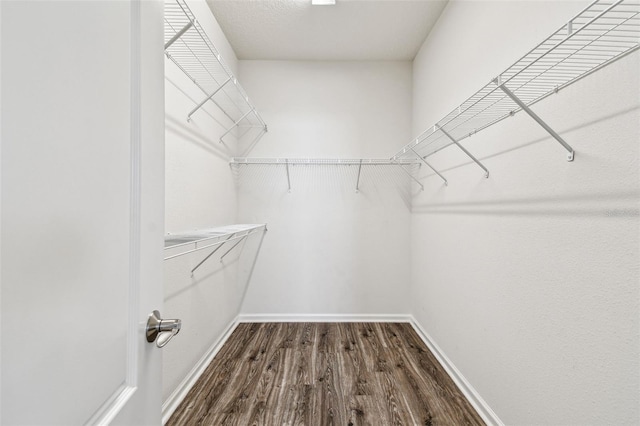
(411, 176)
(475, 160)
(235, 124)
(206, 99)
(178, 35)
(232, 247)
(211, 254)
(429, 165)
(288, 178)
(525, 108)
(358, 181)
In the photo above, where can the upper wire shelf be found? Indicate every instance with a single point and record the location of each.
(188, 46)
(599, 35)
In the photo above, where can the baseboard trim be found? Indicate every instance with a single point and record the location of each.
(474, 398)
(176, 397)
(324, 318)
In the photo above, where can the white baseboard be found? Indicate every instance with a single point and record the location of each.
(474, 398)
(324, 318)
(176, 397)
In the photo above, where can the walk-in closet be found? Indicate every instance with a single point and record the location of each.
(315, 212)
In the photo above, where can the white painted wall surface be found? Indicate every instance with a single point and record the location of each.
(200, 193)
(329, 250)
(529, 280)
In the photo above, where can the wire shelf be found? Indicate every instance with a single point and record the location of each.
(187, 46)
(236, 161)
(326, 162)
(599, 35)
(188, 242)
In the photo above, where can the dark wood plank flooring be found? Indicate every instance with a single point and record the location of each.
(324, 374)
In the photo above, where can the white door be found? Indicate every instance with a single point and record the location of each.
(82, 125)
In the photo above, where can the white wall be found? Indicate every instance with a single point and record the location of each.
(200, 193)
(529, 280)
(328, 249)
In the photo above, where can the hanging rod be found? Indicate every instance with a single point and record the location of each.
(600, 34)
(323, 161)
(359, 162)
(191, 50)
(176, 245)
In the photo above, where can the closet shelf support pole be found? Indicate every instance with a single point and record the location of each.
(211, 254)
(538, 120)
(288, 178)
(178, 35)
(429, 165)
(207, 98)
(411, 176)
(475, 160)
(232, 247)
(358, 181)
(235, 124)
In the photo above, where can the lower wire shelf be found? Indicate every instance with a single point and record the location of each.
(183, 243)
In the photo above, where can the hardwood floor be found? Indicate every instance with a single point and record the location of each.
(324, 374)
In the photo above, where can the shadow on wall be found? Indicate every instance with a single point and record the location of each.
(337, 179)
(193, 132)
(580, 202)
(544, 139)
(182, 129)
(608, 205)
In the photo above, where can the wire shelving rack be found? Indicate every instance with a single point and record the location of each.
(176, 245)
(188, 46)
(357, 162)
(600, 34)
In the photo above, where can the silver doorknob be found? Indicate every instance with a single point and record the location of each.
(161, 330)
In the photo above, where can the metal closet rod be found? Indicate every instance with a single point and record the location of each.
(323, 161)
(359, 162)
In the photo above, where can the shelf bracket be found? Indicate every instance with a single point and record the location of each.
(429, 165)
(178, 35)
(533, 115)
(232, 247)
(235, 124)
(475, 160)
(411, 176)
(211, 254)
(288, 178)
(358, 181)
(206, 99)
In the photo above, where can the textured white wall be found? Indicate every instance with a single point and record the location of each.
(329, 250)
(529, 280)
(200, 193)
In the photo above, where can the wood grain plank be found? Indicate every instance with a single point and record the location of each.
(324, 374)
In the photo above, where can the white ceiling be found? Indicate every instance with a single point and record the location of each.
(350, 30)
